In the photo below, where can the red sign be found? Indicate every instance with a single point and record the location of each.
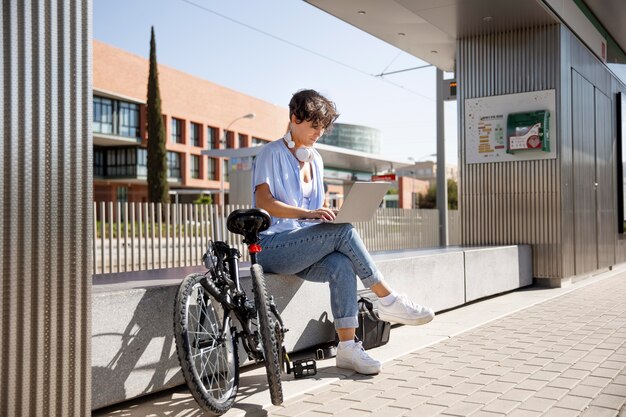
(384, 177)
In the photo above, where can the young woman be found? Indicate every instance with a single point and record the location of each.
(288, 184)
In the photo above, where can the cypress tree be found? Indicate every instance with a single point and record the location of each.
(158, 188)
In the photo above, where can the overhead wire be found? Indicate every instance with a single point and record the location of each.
(295, 45)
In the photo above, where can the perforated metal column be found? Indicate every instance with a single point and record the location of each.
(45, 201)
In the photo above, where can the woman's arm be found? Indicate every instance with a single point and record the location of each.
(266, 201)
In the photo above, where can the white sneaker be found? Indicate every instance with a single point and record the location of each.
(354, 357)
(405, 311)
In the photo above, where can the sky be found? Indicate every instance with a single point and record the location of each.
(270, 49)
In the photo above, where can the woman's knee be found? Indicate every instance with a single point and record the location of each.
(338, 262)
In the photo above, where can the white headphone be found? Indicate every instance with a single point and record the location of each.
(303, 154)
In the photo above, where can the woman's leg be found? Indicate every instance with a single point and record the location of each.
(293, 251)
(337, 270)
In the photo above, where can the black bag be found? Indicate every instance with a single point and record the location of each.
(372, 332)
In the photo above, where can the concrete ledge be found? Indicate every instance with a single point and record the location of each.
(133, 349)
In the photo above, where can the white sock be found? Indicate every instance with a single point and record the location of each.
(345, 344)
(389, 299)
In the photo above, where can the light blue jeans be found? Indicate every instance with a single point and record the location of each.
(326, 252)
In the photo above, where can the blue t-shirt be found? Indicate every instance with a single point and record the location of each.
(277, 167)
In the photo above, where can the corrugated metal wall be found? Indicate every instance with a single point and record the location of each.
(511, 202)
(45, 205)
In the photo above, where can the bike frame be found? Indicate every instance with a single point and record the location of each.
(234, 301)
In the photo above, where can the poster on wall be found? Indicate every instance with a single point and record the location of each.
(511, 127)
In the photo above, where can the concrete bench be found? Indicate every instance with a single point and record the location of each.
(133, 348)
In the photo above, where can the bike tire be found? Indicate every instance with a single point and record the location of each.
(268, 335)
(207, 353)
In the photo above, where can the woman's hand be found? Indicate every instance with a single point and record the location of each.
(323, 213)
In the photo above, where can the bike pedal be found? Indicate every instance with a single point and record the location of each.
(303, 368)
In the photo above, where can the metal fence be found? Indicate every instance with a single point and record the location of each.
(140, 236)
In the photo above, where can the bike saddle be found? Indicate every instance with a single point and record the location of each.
(248, 221)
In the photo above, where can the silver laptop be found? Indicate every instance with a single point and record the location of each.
(361, 202)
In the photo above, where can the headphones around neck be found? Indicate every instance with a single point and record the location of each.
(302, 154)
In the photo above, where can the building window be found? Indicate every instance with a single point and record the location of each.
(173, 165)
(227, 137)
(257, 142)
(195, 166)
(122, 194)
(194, 134)
(242, 141)
(121, 163)
(98, 162)
(102, 115)
(177, 130)
(211, 169)
(210, 137)
(129, 119)
(142, 163)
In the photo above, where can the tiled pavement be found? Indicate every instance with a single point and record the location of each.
(565, 357)
(551, 353)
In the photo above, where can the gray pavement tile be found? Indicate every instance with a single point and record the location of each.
(501, 406)
(596, 381)
(575, 373)
(462, 409)
(416, 383)
(527, 369)
(585, 366)
(516, 394)
(603, 372)
(296, 409)
(465, 388)
(450, 381)
(397, 392)
(551, 393)
(514, 377)
(563, 412)
(610, 363)
(535, 403)
(543, 375)
(532, 384)
(447, 399)
(615, 389)
(425, 410)
(573, 402)
(371, 404)
(322, 397)
(587, 391)
(410, 401)
(482, 397)
(466, 372)
(388, 411)
(598, 412)
(561, 382)
(614, 402)
(353, 413)
(499, 387)
(481, 413)
(335, 406)
(431, 390)
(524, 413)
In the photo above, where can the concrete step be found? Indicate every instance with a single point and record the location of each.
(133, 348)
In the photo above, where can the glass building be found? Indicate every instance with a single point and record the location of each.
(355, 137)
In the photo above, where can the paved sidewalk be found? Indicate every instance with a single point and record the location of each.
(551, 352)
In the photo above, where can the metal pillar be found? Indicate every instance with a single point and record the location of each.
(442, 186)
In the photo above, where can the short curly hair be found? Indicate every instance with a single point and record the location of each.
(311, 106)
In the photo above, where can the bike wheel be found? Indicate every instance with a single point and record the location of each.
(268, 335)
(205, 345)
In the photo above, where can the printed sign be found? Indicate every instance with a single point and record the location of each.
(486, 127)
